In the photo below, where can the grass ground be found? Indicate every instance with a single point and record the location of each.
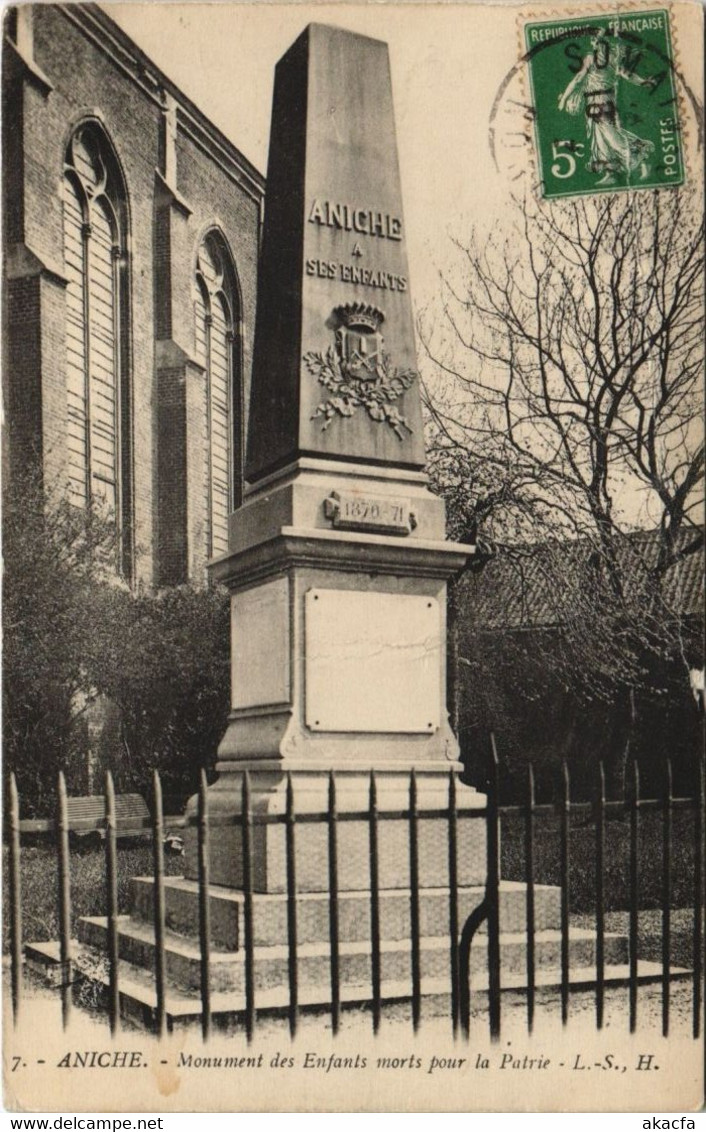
(582, 859)
(87, 867)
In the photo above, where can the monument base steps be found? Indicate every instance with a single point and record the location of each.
(270, 912)
(138, 1000)
(136, 945)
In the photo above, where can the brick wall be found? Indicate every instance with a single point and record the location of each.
(22, 374)
(92, 70)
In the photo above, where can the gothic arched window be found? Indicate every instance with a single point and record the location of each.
(95, 231)
(216, 321)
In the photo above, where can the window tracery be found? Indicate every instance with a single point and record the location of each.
(96, 346)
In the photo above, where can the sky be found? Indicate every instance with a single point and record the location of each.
(447, 61)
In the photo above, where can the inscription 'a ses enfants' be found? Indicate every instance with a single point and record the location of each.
(352, 273)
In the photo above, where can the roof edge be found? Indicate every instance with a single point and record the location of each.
(95, 22)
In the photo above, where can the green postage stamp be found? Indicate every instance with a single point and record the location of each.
(604, 103)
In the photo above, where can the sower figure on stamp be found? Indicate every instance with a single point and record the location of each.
(613, 148)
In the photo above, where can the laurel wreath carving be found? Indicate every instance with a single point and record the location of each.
(376, 396)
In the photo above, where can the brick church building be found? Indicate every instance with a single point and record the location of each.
(131, 229)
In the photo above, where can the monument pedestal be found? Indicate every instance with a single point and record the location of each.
(311, 794)
(339, 664)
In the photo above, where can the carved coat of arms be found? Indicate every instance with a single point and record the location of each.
(357, 372)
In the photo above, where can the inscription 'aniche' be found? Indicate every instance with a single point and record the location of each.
(350, 218)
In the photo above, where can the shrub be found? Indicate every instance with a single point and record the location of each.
(77, 639)
(167, 670)
(57, 558)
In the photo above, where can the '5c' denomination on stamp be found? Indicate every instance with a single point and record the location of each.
(604, 102)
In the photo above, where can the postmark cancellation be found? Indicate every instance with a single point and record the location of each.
(598, 99)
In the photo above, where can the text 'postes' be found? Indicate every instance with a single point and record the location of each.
(349, 218)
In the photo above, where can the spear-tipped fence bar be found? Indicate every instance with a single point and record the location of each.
(453, 901)
(374, 905)
(698, 949)
(492, 891)
(634, 881)
(415, 931)
(529, 897)
(460, 941)
(333, 905)
(247, 831)
(111, 878)
(564, 873)
(204, 907)
(292, 910)
(159, 911)
(486, 912)
(600, 897)
(15, 899)
(666, 895)
(62, 845)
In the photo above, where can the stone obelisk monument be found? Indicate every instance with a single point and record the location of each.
(337, 564)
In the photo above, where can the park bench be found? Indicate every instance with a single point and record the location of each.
(86, 819)
(87, 814)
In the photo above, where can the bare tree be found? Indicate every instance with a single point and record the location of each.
(564, 385)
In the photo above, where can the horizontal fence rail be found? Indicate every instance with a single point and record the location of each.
(568, 816)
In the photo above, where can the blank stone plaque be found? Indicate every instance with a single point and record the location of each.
(260, 645)
(373, 662)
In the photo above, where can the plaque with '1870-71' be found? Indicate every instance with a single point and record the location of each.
(605, 103)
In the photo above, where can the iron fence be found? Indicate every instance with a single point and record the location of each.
(461, 935)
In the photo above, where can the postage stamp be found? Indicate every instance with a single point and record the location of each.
(604, 101)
